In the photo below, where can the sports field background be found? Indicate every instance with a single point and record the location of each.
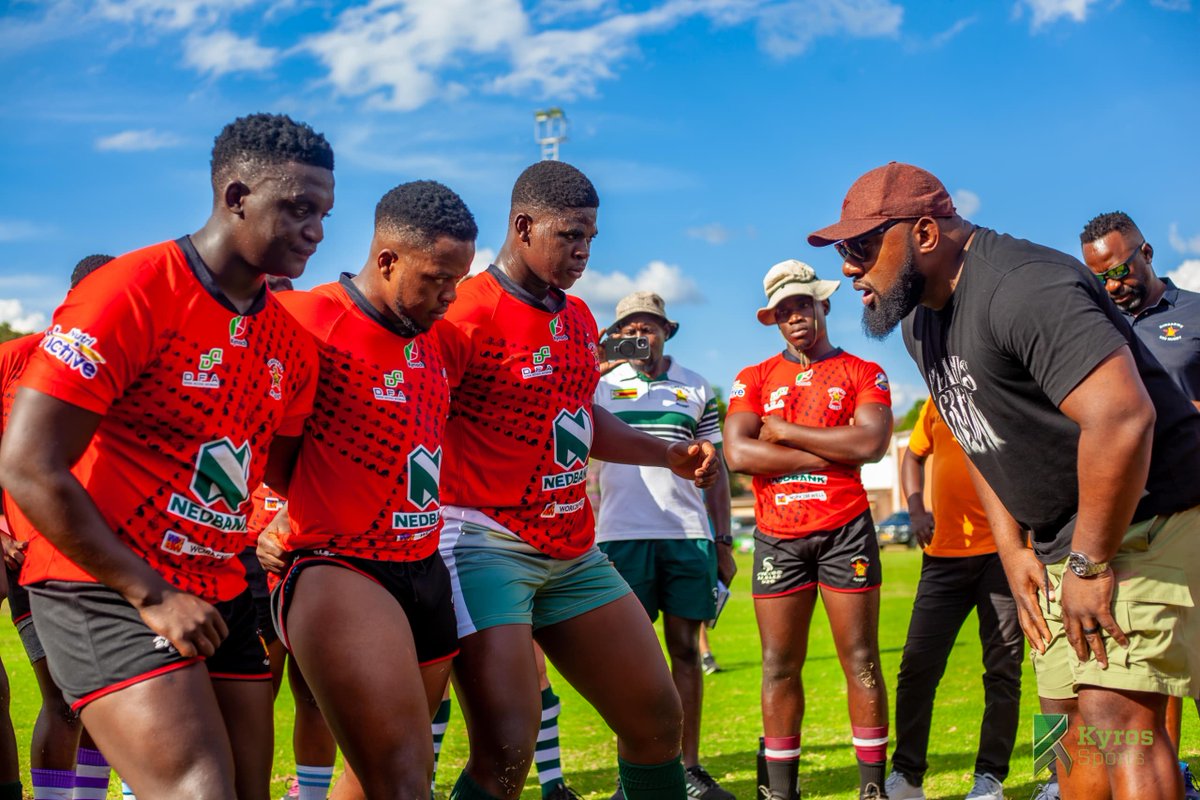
(732, 722)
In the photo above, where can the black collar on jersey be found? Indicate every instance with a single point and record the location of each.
(401, 327)
(205, 276)
(556, 299)
(788, 355)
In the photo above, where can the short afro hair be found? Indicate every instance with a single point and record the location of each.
(553, 186)
(1100, 226)
(87, 265)
(262, 140)
(421, 211)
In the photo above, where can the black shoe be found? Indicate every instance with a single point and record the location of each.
(562, 792)
(619, 794)
(702, 786)
(872, 791)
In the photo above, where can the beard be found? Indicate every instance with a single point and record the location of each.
(897, 303)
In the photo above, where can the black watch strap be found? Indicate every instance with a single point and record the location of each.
(726, 539)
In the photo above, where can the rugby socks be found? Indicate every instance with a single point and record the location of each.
(652, 781)
(52, 784)
(782, 754)
(468, 789)
(870, 748)
(441, 721)
(313, 781)
(91, 775)
(546, 752)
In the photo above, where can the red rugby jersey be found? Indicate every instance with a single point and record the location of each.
(191, 394)
(823, 395)
(520, 430)
(14, 356)
(265, 505)
(366, 479)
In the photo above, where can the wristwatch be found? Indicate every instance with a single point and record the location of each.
(727, 539)
(1084, 567)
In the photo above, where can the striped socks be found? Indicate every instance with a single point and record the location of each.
(91, 775)
(441, 721)
(313, 781)
(782, 756)
(870, 748)
(52, 784)
(546, 756)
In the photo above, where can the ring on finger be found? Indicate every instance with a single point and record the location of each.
(1091, 631)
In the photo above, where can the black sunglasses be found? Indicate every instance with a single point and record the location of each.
(1120, 271)
(852, 249)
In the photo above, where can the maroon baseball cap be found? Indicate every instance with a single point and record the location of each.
(893, 191)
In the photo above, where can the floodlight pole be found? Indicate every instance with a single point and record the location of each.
(550, 130)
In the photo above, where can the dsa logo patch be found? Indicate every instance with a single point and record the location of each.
(391, 392)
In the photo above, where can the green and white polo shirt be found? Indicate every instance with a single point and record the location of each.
(651, 502)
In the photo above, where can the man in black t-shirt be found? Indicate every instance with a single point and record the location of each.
(1075, 433)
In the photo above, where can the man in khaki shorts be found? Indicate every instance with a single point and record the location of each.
(1074, 432)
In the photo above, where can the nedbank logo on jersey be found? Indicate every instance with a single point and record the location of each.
(801, 477)
(221, 473)
(424, 471)
(73, 348)
(412, 354)
(239, 327)
(572, 443)
(558, 331)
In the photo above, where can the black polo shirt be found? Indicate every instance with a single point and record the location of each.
(1171, 331)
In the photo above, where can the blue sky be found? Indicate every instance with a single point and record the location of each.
(719, 132)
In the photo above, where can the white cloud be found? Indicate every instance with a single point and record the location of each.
(713, 233)
(220, 52)
(19, 318)
(138, 140)
(394, 49)
(1173, 5)
(484, 256)
(1185, 245)
(170, 14)
(954, 30)
(16, 230)
(602, 290)
(905, 394)
(966, 201)
(787, 29)
(1047, 11)
(402, 54)
(1187, 275)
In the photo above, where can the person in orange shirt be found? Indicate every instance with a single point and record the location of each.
(960, 571)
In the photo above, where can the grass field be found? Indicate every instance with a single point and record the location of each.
(732, 721)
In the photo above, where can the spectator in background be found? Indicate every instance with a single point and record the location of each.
(960, 571)
(654, 525)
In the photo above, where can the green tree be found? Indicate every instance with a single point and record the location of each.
(739, 484)
(909, 420)
(7, 333)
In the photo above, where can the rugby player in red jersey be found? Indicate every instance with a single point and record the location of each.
(141, 425)
(362, 582)
(519, 533)
(62, 756)
(802, 423)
